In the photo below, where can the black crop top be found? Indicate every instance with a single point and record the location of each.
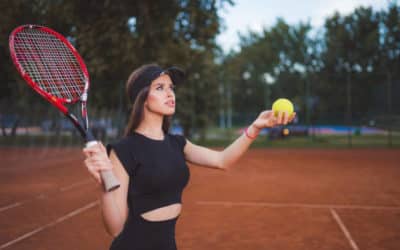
(157, 170)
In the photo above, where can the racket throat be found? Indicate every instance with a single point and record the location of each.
(87, 134)
(85, 119)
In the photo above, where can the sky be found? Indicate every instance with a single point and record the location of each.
(255, 14)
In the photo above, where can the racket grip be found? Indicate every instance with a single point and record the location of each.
(109, 180)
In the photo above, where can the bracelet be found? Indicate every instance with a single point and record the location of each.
(247, 134)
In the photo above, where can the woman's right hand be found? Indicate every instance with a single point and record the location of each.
(97, 161)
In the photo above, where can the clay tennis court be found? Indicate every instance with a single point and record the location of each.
(271, 199)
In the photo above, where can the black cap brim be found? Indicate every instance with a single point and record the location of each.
(177, 75)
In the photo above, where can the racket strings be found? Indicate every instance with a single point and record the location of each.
(50, 63)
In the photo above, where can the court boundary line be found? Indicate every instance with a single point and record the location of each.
(51, 224)
(344, 229)
(45, 195)
(15, 204)
(296, 205)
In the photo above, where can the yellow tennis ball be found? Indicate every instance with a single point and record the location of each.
(282, 104)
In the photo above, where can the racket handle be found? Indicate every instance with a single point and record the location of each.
(109, 180)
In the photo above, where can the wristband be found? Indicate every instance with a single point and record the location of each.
(247, 134)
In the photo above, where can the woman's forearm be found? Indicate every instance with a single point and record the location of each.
(113, 217)
(234, 151)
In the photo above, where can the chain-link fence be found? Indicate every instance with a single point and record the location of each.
(30, 121)
(347, 114)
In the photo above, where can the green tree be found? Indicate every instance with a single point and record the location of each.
(280, 55)
(115, 37)
(350, 58)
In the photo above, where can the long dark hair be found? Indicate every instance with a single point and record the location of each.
(136, 115)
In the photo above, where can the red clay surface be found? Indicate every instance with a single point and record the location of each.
(270, 199)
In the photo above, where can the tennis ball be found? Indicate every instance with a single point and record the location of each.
(282, 104)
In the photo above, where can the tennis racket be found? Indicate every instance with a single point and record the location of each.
(54, 69)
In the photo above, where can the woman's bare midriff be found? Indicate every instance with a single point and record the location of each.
(163, 213)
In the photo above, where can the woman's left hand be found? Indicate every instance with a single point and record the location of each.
(267, 119)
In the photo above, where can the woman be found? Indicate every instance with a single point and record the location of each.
(150, 163)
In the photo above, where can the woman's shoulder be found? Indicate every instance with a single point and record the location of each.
(123, 149)
(120, 143)
(177, 138)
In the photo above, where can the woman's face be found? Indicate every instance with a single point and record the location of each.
(161, 98)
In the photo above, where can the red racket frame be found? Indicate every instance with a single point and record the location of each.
(111, 182)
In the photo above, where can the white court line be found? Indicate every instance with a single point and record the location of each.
(344, 229)
(59, 220)
(297, 205)
(43, 196)
(16, 204)
(76, 184)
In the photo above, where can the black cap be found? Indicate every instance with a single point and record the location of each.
(153, 72)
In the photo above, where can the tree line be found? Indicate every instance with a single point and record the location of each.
(348, 66)
(346, 71)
